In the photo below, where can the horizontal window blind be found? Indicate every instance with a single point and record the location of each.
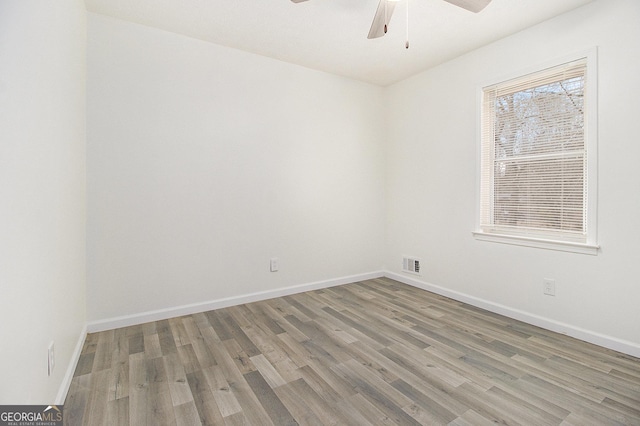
(534, 155)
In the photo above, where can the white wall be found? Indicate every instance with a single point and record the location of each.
(432, 182)
(42, 194)
(204, 162)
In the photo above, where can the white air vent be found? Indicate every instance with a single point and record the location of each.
(411, 264)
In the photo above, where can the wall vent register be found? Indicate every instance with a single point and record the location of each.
(411, 265)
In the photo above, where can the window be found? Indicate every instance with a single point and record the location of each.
(537, 183)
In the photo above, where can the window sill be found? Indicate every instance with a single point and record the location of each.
(589, 249)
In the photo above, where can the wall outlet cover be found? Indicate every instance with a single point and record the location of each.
(549, 286)
(51, 358)
(274, 264)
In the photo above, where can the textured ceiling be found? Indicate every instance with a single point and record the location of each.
(331, 35)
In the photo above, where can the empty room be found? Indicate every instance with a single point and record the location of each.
(320, 212)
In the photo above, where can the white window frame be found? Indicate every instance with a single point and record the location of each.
(591, 143)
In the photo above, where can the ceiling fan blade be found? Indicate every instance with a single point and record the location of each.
(298, 1)
(382, 18)
(471, 5)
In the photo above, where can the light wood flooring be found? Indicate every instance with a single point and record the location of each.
(376, 352)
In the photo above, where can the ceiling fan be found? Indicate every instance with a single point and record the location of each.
(385, 10)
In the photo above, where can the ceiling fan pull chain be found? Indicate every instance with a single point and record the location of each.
(406, 45)
(386, 18)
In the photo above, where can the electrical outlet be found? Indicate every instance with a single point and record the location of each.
(274, 264)
(51, 358)
(549, 286)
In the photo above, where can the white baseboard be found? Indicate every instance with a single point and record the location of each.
(613, 343)
(160, 314)
(71, 368)
(609, 342)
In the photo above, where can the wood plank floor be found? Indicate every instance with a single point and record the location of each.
(377, 352)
